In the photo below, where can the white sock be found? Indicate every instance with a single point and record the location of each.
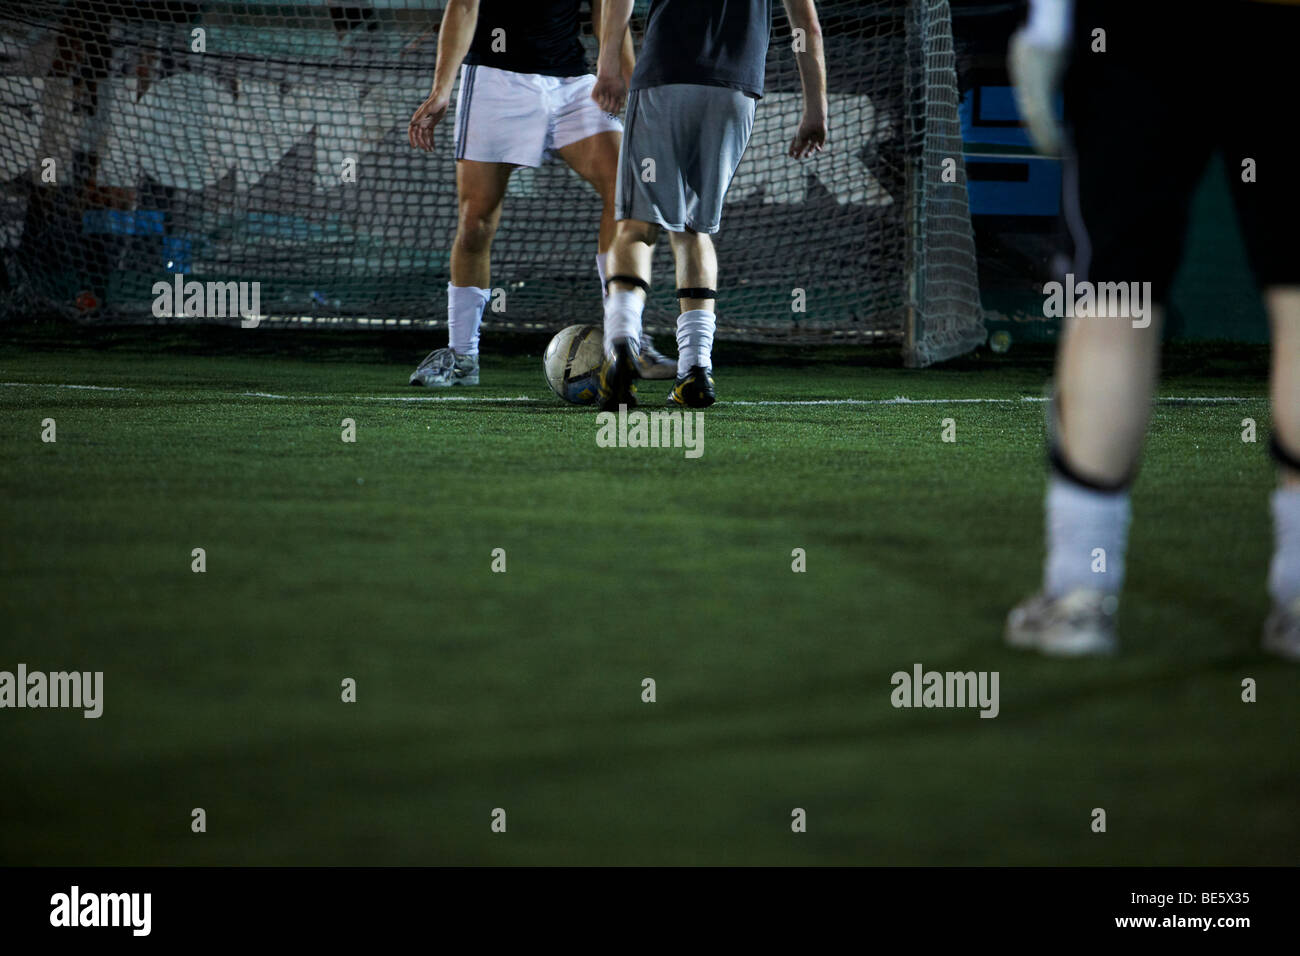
(601, 259)
(695, 339)
(1284, 572)
(465, 305)
(622, 317)
(1079, 521)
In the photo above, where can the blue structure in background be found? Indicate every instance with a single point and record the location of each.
(177, 252)
(1003, 176)
(122, 222)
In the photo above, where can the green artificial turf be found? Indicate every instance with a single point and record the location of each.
(522, 690)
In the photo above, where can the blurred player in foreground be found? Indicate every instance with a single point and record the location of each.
(1148, 100)
(524, 95)
(689, 116)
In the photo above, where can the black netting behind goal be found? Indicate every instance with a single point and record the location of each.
(266, 143)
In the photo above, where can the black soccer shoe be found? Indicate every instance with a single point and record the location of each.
(694, 389)
(617, 381)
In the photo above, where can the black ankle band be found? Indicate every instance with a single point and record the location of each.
(630, 280)
(1281, 455)
(697, 293)
(1062, 468)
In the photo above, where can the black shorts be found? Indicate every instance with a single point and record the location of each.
(1174, 86)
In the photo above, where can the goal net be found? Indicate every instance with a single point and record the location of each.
(264, 144)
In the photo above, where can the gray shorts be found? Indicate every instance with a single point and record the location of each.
(681, 146)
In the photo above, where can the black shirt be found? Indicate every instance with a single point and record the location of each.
(709, 42)
(539, 36)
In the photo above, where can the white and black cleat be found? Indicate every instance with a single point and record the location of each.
(1078, 624)
(443, 368)
(1282, 631)
(651, 364)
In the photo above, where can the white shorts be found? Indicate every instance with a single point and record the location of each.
(518, 118)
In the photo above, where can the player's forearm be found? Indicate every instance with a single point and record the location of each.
(629, 55)
(614, 36)
(812, 74)
(809, 54)
(457, 32)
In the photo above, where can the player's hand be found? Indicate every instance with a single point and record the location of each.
(811, 136)
(430, 113)
(1036, 76)
(610, 93)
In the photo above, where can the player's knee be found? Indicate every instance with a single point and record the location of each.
(474, 231)
(691, 242)
(634, 230)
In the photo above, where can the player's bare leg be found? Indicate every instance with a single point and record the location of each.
(1282, 630)
(595, 159)
(697, 267)
(697, 280)
(629, 280)
(1106, 374)
(631, 252)
(1105, 380)
(480, 190)
(1284, 314)
(480, 195)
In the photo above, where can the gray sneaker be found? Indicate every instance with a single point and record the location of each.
(443, 368)
(1079, 624)
(650, 364)
(1282, 631)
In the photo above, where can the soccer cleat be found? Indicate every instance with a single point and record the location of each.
(1282, 631)
(1080, 624)
(694, 389)
(616, 384)
(653, 365)
(443, 368)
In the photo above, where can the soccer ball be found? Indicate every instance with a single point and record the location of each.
(572, 363)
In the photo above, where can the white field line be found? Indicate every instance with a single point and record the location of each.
(329, 398)
(96, 388)
(433, 398)
(896, 400)
(903, 400)
(390, 398)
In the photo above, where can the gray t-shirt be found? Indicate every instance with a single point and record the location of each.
(708, 42)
